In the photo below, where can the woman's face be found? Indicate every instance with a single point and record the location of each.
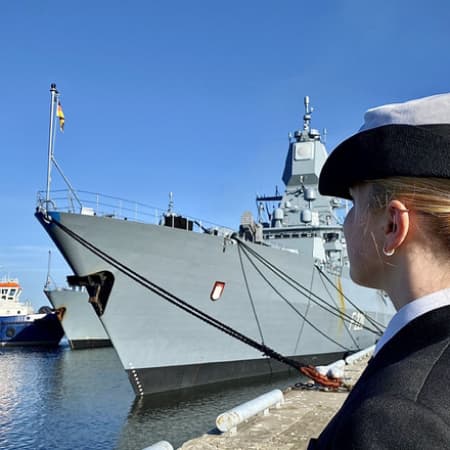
(363, 233)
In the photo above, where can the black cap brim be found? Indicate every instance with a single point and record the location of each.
(387, 151)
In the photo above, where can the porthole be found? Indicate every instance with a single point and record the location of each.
(10, 332)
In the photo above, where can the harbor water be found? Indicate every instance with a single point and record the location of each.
(65, 399)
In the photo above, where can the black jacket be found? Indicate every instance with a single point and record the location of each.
(402, 399)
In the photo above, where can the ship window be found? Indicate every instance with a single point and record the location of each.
(295, 235)
(13, 291)
(4, 291)
(286, 236)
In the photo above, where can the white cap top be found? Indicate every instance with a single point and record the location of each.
(423, 111)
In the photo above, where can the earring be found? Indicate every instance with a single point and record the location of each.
(388, 253)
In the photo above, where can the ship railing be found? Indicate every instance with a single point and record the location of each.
(8, 279)
(96, 204)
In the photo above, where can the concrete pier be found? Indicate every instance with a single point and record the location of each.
(302, 416)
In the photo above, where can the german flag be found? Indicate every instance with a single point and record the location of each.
(60, 116)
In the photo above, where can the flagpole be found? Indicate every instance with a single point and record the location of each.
(54, 94)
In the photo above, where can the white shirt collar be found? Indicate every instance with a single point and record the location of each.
(412, 310)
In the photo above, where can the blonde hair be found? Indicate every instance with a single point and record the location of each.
(430, 197)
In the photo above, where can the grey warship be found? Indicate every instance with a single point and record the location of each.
(81, 325)
(281, 278)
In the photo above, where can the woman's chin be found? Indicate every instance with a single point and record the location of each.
(363, 279)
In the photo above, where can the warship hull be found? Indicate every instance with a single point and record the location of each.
(81, 325)
(164, 348)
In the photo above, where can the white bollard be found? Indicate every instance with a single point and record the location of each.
(333, 370)
(228, 420)
(359, 355)
(161, 445)
(336, 372)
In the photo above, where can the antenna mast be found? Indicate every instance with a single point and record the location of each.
(307, 116)
(47, 281)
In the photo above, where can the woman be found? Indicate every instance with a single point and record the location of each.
(396, 170)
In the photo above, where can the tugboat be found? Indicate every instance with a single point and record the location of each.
(20, 325)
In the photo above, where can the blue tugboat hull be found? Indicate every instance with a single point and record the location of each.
(26, 330)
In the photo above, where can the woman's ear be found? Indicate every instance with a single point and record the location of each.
(397, 226)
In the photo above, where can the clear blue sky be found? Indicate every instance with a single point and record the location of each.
(195, 97)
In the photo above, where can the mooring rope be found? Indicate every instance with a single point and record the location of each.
(247, 286)
(303, 316)
(303, 290)
(374, 322)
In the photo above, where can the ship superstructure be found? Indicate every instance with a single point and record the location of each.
(301, 218)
